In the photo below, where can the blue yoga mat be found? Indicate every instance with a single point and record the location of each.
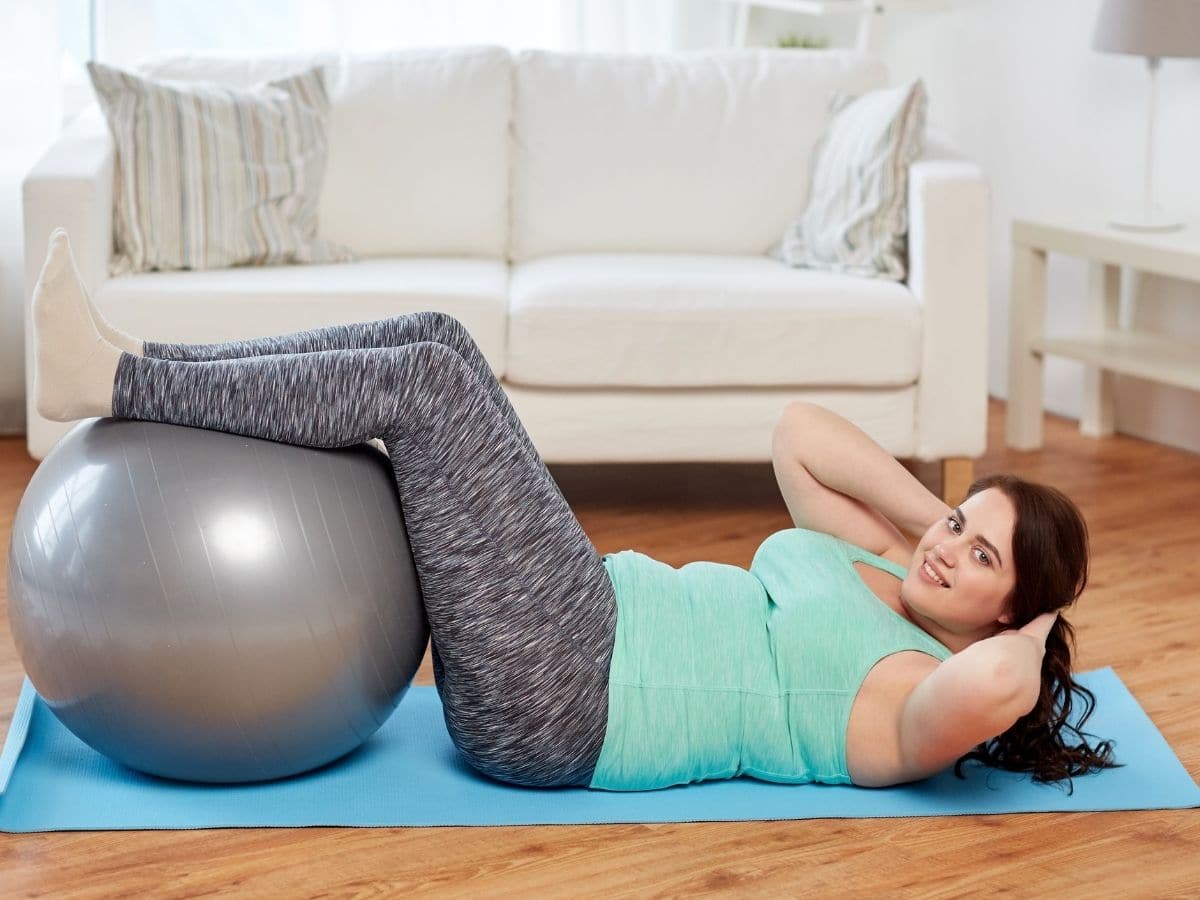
(409, 773)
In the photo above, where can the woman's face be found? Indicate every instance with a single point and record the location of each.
(971, 551)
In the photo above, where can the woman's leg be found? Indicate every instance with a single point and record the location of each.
(396, 331)
(521, 611)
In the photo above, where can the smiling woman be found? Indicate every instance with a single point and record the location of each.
(986, 579)
(558, 667)
(970, 581)
(1050, 559)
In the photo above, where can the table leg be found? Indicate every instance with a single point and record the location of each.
(1025, 376)
(957, 474)
(1097, 416)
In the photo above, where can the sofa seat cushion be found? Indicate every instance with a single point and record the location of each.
(675, 320)
(244, 302)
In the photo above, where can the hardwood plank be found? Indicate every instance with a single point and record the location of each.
(1140, 614)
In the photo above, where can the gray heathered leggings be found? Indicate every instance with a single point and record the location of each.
(521, 611)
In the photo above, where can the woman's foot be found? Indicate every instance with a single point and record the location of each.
(112, 334)
(108, 331)
(74, 366)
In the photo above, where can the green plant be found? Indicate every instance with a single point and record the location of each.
(802, 41)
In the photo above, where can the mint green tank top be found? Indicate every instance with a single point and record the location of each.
(719, 672)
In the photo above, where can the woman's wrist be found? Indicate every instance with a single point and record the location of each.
(929, 509)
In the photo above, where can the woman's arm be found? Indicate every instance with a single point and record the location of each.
(836, 479)
(975, 695)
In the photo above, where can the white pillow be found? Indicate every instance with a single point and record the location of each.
(209, 176)
(856, 221)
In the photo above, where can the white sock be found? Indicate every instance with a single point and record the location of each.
(115, 336)
(74, 367)
(108, 331)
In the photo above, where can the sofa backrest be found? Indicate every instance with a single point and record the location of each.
(474, 151)
(692, 152)
(418, 144)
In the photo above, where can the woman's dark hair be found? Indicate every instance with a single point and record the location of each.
(1050, 555)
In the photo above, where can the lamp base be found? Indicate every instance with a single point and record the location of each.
(1152, 219)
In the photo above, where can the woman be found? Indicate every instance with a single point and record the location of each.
(556, 667)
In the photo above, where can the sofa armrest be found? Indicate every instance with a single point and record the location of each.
(71, 186)
(949, 209)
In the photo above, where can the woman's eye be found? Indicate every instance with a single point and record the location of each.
(953, 524)
(983, 557)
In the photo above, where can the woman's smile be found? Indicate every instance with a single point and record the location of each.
(930, 577)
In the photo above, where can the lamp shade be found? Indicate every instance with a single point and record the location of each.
(1149, 27)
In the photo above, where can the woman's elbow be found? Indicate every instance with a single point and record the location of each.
(1014, 693)
(796, 408)
(790, 426)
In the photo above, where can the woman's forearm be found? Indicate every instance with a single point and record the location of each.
(842, 456)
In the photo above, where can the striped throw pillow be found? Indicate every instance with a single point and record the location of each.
(208, 176)
(856, 221)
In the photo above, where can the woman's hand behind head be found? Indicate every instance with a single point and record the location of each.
(1039, 627)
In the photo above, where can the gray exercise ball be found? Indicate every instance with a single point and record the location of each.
(210, 607)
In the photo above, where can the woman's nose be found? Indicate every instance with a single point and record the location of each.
(941, 554)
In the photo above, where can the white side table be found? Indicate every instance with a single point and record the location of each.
(1102, 344)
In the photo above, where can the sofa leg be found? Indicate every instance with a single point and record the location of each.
(957, 474)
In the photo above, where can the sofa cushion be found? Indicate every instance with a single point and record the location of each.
(229, 304)
(693, 320)
(857, 216)
(208, 177)
(418, 144)
(705, 152)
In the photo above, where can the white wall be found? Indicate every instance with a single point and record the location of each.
(1056, 124)
(29, 114)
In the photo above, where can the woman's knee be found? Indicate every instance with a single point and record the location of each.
(439, 367)
(446, 329)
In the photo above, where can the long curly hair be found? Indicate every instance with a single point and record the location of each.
(1050, 555)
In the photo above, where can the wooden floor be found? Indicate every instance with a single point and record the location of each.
(1140, 614)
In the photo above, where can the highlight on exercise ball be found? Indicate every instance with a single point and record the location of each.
(211, 607)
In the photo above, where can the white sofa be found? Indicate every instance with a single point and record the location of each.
(600, 223)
